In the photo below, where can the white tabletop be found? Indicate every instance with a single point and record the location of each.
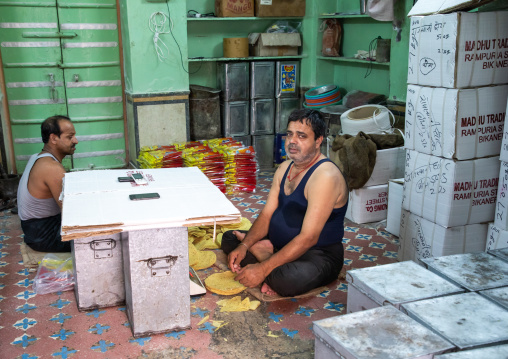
(96, 203)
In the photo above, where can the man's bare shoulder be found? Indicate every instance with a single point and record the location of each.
(47, 167)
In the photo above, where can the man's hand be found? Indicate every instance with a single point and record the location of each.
(251, 275)
(238, 254)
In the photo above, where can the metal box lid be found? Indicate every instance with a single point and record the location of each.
(497, 295)
(466, 320)
(382, 332)
(500, 253)
(473, 271)
(400, 282)
(495, 352)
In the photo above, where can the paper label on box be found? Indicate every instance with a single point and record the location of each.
(265, 2)
(288, 78)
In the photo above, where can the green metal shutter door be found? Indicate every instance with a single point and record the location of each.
(63, 58)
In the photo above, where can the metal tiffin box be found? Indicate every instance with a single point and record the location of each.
(262, 116)
(473, 271)
(236, 118)
(262, 79)
(408, 282)
(284, 106)
(466, 320)
(98, 271)
(233, 80)
(263, 145)
(287, 78)
(493, 352)
(497, 295)
(156, 269)
(382, 332)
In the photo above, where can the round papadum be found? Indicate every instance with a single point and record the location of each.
(224, 283)
(206, 259)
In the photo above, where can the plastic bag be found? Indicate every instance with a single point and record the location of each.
(284, 27)
(55, 274)
(332, 37)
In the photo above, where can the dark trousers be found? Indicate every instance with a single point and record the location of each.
(43, 234)
(315, 268)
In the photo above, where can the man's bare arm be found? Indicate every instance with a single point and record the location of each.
(54, 173)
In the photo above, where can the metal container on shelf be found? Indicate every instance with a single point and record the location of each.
(287, 75)
(331, 115)
(98, 271)
(284, 107)
(262, 79)
(236, 118)
(263, 145)
(246, 140)
(233, 80)
(262, 116)
(204, 109)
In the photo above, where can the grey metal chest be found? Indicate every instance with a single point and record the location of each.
(233, 80)
(262, 116)
(501, 253)
(381, 333)
(467, 320)
(262, 79)
(98, 270)
(236, 118)
(494, 352)
(156, 269)
(394, 284)
(497, 295)
(283, 108)
(473, 271)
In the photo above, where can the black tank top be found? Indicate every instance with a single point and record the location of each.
(286, 222)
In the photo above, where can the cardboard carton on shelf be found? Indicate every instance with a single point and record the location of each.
(458, 50)
(455, 123)
(450, 193)
(280, 8)
(234, 8)
(274, 44)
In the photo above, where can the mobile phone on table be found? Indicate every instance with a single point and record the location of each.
(125, 179)
(139, 178)
(142, 196)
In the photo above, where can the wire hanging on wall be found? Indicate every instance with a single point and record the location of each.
(372, 55)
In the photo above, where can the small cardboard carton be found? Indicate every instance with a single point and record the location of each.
(280, 8)
(274, 44)
(453, 123)
(428, 7)
(496, 238)
(420, 238)
(389, 164)
(503, 155)
(450, 193)
(395, 190)
(368, 204)
(459, 50)
(234, 8)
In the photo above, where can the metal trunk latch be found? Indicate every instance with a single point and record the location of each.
(103, 248)
(161, 266)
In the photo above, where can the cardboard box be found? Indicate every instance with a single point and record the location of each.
(368, 204)
(496, 238)
(409, 282)
(395, 190)
(234, 8)
(459, 50)
(389, 164)
(280, 8)
(427, 7)
(501, 214)
(450, 193)
(420, 238)
(453, 123)
(503, 155)
(274, 44)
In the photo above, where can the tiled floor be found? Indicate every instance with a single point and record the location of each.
(50, 325)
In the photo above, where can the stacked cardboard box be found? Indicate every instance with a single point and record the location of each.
(455, 114)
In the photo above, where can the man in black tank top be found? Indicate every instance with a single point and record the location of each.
(39, 205)
(295, 244)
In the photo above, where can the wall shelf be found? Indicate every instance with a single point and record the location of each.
(350, 59)
(345, 16)
(250, 58)
(191, 19)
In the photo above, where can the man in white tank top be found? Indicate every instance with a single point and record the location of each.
(39, 206)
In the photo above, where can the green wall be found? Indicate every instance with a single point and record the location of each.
(144, 73)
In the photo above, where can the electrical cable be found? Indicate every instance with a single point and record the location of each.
(157, 25)
(372, 48)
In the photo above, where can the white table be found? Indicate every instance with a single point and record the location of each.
(153, 239)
